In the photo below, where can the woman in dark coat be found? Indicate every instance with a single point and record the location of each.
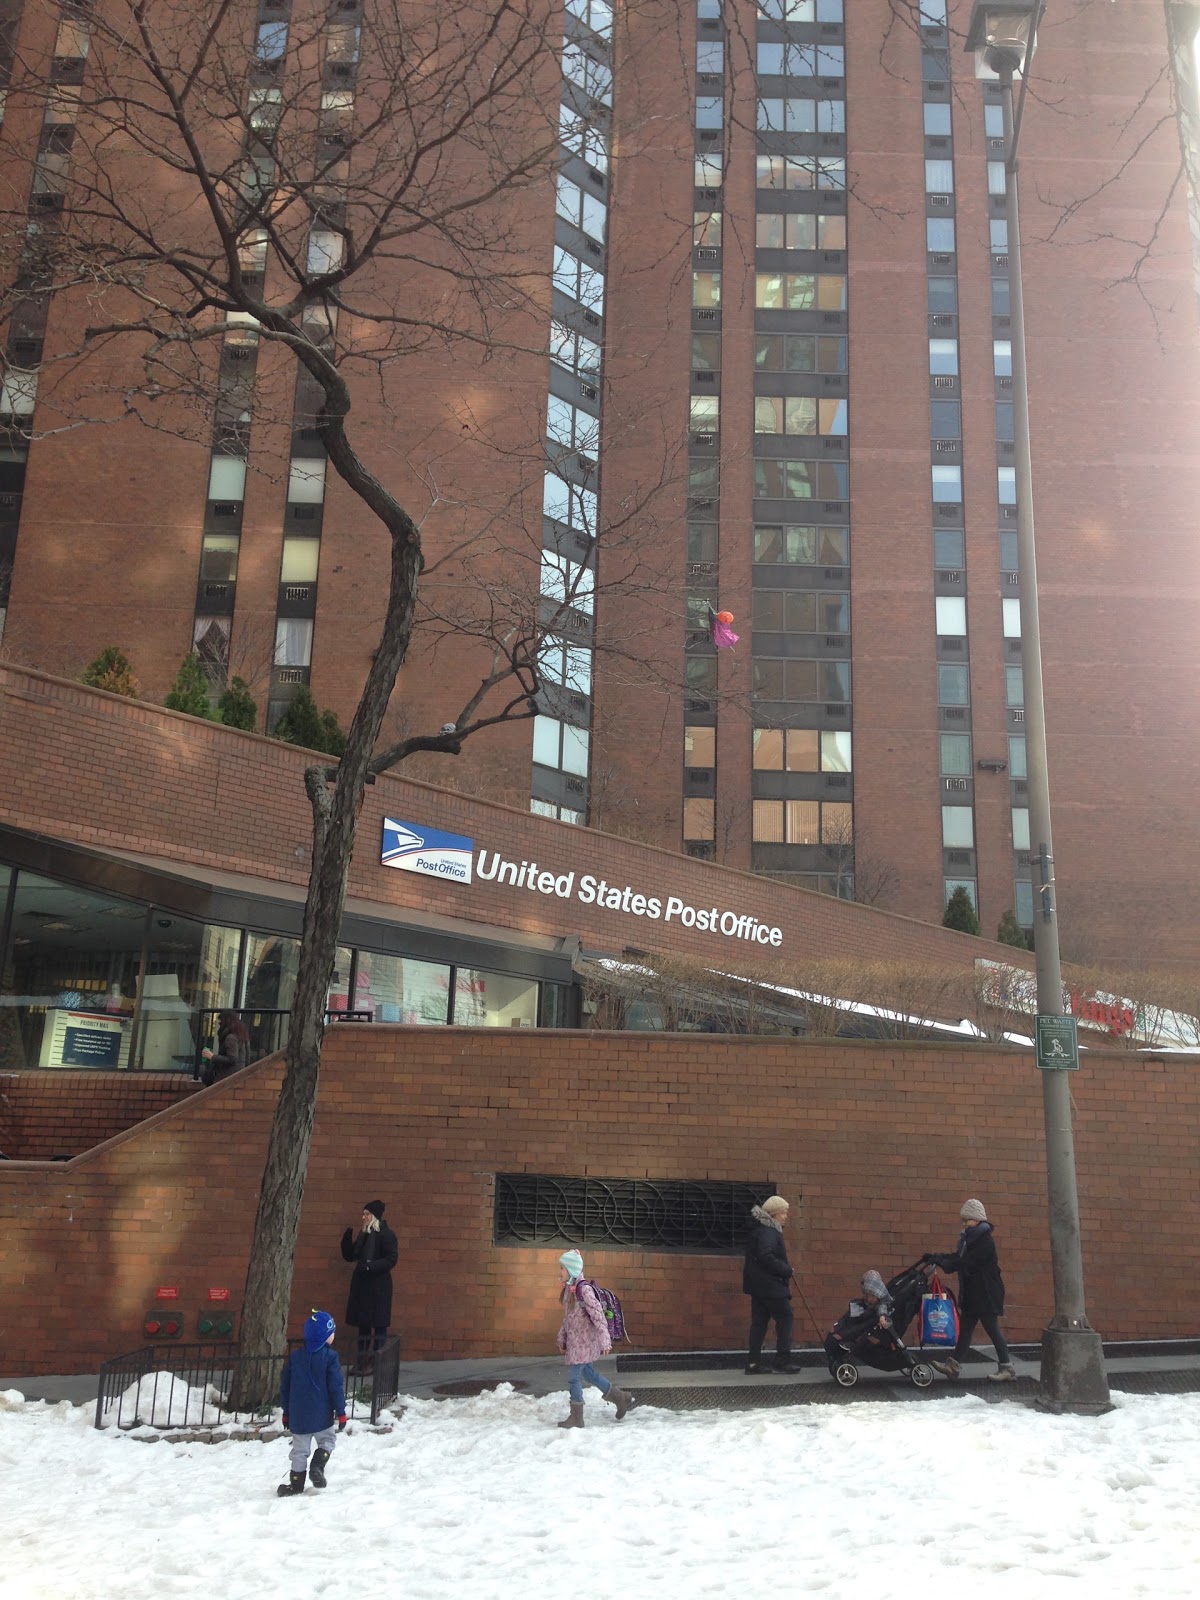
(981, 1291)
(374, 1253)
(766, 1278)
(233, 1048)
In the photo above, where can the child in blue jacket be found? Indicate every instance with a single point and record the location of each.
(312, 1394)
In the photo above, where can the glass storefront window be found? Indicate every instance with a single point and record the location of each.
(71, 977)
(189, 969)
(397, 989)
(271, 963)
(494, 1000)
(337, 996)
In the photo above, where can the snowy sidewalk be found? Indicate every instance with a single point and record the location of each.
(714, 1381)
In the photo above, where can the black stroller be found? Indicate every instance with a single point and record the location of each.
(859, 1340)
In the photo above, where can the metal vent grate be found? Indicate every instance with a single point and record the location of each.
(704, 1218)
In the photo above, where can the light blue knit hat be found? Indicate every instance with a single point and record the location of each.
(573, 1261)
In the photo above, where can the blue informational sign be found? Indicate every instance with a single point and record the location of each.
(410, 847)
(95, 1046)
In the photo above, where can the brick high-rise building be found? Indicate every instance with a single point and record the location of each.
(770, 268)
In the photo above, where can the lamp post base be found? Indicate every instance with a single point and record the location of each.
(1073, 1375)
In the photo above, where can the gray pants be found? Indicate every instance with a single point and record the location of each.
(302, 1443)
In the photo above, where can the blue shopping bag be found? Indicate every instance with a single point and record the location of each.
(939, 1315)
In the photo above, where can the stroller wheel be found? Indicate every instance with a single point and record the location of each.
(921, 1375)
(846, 1374)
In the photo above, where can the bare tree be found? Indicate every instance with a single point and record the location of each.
(331, 197)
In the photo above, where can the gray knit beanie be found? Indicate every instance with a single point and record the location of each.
(973, 1211)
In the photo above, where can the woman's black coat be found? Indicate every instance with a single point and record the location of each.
(766, 1273)
(981, 1288)
(374, 1255)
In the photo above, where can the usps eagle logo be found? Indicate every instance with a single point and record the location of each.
(409, 847)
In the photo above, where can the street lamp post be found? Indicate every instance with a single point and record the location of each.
(1002, 35)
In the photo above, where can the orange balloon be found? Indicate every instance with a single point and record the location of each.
(725, 616)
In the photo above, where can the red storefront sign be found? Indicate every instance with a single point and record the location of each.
(218, 1294)
(166, 1294)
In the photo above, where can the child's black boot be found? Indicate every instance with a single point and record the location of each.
(294, 1485)
(316, 1468)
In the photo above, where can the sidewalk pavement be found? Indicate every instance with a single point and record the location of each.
(711, 1381)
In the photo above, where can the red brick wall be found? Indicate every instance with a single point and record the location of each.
(116, 774)
(884, 1140)
(44, 1115)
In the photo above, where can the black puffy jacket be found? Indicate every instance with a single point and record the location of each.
(766, 1273)
(981, 1288)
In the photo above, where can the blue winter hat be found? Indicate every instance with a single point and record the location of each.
(318, 1330)
(573, 1261)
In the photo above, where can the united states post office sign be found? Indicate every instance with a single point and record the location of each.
(409, 847)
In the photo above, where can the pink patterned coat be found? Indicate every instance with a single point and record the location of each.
(584, 1336)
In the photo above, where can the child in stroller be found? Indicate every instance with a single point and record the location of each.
(869, 1333)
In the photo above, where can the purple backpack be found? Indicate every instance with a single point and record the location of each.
(610, 1306)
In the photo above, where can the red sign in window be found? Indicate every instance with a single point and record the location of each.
(166, 1294)
(218, 1294)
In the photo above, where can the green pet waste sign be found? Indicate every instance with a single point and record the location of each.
(1057, 1044)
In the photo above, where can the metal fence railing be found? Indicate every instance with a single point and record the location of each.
(197, 1386)
(268, 1029)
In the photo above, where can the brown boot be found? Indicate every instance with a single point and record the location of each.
(948, 1368)
(619, 1398)
(575, 1420)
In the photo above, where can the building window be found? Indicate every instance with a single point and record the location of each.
(572, 351)
(958, 828)
(1016, 756)
(710, 55)
(706, 289)
(947, 485)
(945, 419)
(703, 1218)
(704, 414)
(574, 278)
(568, 503)
(937, 120)
(801, 480)
(799, 352)
(293, 641)
(998, 233)
(939, 235)
(950, 613)
(588, 74)
(804, 681)
(299, 563)
(799, 414)
(1020, 827)
(583, 210)
(710, 111)
(939, 177)
(306, 480)
(803, 546)
(706, 228)
(943, 357)
(953, 685)
(560, 745)
(709, 171)
(1006, 485)
(699, 747)
(801, 611)
(942, 295)
(951, 884)
(564, 582)
(598, 14)
(1011, 611)
(699, 819)
(1023, 902)
(1002, 358)
(802, 822)
(1014, 686)
(227, 478)
(996, 181)
(799, 291)
(799, 230)
(956, 755)
(948, 548)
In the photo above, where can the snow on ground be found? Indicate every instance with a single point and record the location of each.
(487, 1499)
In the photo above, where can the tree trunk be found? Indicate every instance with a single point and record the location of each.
(336, 797)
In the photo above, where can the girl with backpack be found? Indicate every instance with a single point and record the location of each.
(583, 1339)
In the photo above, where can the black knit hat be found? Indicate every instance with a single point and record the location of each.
(376, 1208)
